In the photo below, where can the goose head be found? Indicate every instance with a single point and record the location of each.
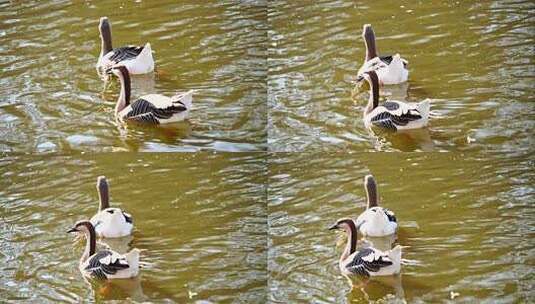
(345, 224)
(84, 227)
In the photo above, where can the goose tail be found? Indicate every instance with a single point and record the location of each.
(395, 256)
(186, 98)
(423, 108)
(132, 258)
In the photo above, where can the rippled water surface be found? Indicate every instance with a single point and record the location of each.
(52, 100)
(200, 221)
(467, 222)
(474, 59)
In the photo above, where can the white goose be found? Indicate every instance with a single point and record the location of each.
(375, 221)
(104, 264)
(367, 261)
(110, 222)
(390, 69)
(152, 108)
(138, 59)
(392, 114)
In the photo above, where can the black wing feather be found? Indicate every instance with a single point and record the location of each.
(360, 267)
(101, 271)
(125, 53)
(389, 121)
(144, 111)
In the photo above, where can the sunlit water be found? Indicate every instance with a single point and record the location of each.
(51, 99)
(467, 222)
(473, 59)
(200, 221)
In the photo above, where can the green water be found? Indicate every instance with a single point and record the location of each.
(274, 150)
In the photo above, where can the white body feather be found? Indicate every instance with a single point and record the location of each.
(141, 64)
(163, 102)
(393, 255)
(108, 225)
(131, 259)
(374, 222)
(421, 108)
(393, 73)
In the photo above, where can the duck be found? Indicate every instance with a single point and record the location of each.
(110, 222)
(390, 69)
(104, 264)
(152, 108)
(375, 221)
(393, 115)
(138, 59)
(367, 261)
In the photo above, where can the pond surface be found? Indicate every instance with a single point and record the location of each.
(51, 99)
(200, 221)
(467, 223)
(473, 59)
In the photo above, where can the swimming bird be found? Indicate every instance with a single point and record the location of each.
(138, 59)
(375, 221)
(392, 114)
(152, 108)
(104, 264)
(390, 69)
(367, 261)
(110, 222)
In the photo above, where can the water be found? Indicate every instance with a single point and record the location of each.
(467, 222)
(200, 220)
(52, 101)
(273, 81)
(473, 59)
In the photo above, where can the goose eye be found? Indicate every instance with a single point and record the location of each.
(110, 211)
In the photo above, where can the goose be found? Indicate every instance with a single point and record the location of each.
(104, 264)
(392, 114)
(151, 108)
(367, 261)
(138, 59)
(390, 69)
(110, 222)
(375, 221)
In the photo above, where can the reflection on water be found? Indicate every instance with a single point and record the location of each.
(200, 221)
(466, 222)
(52, 100)
(471, 57)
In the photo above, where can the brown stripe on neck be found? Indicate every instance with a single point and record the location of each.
(103, 193)
(105, 35)
(352, 235)
(92, 238)
(125, 80)
(371, 191)
(369, 41)
(374, 87)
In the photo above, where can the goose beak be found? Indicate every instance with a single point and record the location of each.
(72, 230)
(333, 227)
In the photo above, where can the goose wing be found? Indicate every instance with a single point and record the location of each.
(127, 217)
(391, 216)
(105, 263)
(368, 260)
(152, 108)
(388, 60)
(392, 114)
(125, 53)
